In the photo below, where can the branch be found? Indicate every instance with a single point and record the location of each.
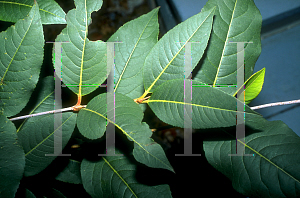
(275, 104)
(77, 108)
(74, 108)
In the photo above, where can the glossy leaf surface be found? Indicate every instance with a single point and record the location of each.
(274, 169)
(36, 134)
(83, 61)
(211, 108)
(234, 21)
(50, 11)
(21, 55)
(91, 123)
(114, 176)
(166, 59)
(253, 86)
(12, 161)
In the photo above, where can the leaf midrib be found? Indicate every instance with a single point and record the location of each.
(129, 58)
(216, 77)
(83, 50)
(258, 74)
(265, 158)
(116, 172)
(34, 148)
(17, 50)
(184, 103)
(148, 90)
(21, 4)
(262, 156)
(132, 139)
(38, 105)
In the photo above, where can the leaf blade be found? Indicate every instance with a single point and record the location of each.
(126, 111)
(235, 21)
(159, 68)
(12, 161)
(50, 11)
(71, 173)
(273, 171)
(21, 60)
(36, 134)
(83, 61)
(114, 176)
(139, 36)
(253, 86)
(211, 108)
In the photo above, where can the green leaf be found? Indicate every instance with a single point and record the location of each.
(83, 61)
(49, 193)
(146, 150)
(71, 174)
(12, 161)
(114, 176)
(235, 21)
(138, 37)
(274, 169)
(253, 86)
(211, 108)
(29, 194)
(21, 55)
(36, 134)
(166, 59)
(91, 123)
(50, 11)
(55, 193)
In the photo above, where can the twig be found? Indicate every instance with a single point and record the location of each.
(47, 112)
(76, 108)
(275, 104)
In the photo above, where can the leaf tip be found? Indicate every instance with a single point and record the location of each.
(172, 169)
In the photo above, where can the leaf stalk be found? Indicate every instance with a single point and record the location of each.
(73, 108)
